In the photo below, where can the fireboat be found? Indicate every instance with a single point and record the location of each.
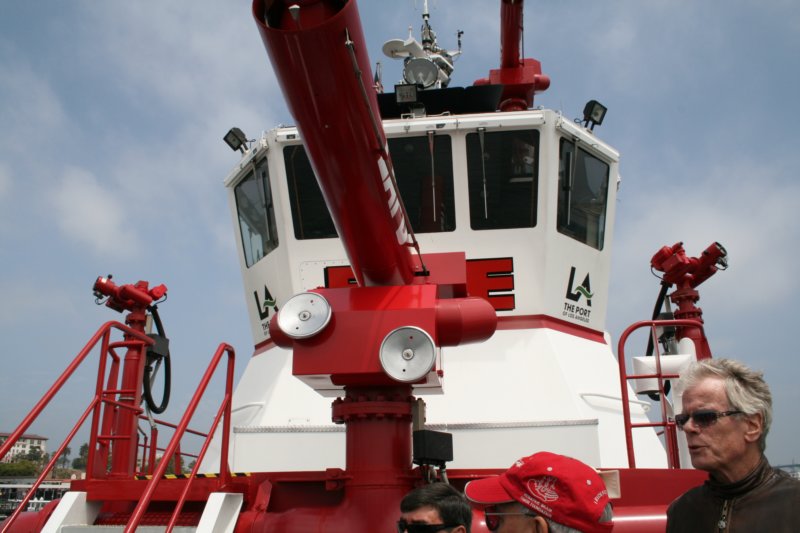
(426, 272)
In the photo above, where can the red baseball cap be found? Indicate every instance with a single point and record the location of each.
(554, 486)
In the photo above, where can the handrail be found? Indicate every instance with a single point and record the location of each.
(670, 434)
(45, 400)
(224, 410)
(24, 502)
(103, 334)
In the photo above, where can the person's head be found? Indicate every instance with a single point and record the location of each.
(432, 505)
(544, 492)
(727, 411)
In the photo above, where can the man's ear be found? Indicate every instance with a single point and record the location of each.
(540, 525)
(754, 427)
(460, 529)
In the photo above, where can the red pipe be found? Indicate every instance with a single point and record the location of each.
(341, 129)
(123, 460)
(366, 495)
(464, 320)
(510, 33)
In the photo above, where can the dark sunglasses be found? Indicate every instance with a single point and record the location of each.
(703, 418)
(405, 527)
(493, 518)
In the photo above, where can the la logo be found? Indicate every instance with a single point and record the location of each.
(584, 289)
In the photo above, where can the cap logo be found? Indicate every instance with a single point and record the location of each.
(544, 488)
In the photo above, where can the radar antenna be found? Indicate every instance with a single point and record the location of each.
(425, 64)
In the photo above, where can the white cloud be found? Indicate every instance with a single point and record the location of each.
(181, 59)
(90, 214)
(28, 106)
(744, 205)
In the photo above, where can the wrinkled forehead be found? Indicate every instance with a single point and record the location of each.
(708, 391)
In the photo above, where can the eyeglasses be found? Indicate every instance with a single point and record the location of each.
(405, 527)
(493, 517)
(703, 418)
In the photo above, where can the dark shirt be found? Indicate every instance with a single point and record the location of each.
(767, 499)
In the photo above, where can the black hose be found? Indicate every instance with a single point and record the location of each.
(657, 311)
(160, 350)
(662, 295)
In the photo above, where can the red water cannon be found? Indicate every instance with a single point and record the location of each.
(686, 273)
(683, 271)
(127, 297)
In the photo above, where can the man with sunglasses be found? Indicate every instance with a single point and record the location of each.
(727, 410)
(544, 493)
(432, 508)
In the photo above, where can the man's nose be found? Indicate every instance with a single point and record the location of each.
(691, 427)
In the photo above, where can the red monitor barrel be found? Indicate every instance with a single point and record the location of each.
(341, 129)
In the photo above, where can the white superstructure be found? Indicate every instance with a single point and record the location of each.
(530, 197)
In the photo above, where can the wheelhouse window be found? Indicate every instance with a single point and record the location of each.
(423, 167)
(503, 173)
(256, 210)
(310, 216)
(582, 195)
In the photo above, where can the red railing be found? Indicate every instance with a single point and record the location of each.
(150, 448)
(102, 423)
(668, 425)
(107, 348)
(223, 412)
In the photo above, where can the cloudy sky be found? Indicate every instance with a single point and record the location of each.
(111, 161)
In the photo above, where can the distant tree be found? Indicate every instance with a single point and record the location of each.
(20, 468)
(79, 463)
(34, 455)
(63, 459)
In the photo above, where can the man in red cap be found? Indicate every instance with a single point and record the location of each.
(544, 493)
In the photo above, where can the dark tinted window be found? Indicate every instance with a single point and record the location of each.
(423, 168)
(582, 195)
(429, 201)
(256, 212)
(503, 172)
(310, 215)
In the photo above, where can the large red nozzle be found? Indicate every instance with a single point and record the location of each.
(127, 297)
(692, 271)
(319, 56)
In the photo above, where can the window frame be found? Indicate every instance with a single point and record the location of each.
(258, 172)
(568, 208)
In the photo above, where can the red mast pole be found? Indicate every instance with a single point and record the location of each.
(520, 77)
(510, 33)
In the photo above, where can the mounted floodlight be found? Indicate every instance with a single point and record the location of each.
(406, 93)
(236, 139)
(593, 113)
(421, 71)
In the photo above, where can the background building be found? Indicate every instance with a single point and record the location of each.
(24, 445)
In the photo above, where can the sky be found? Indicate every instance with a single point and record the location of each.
(112, 161)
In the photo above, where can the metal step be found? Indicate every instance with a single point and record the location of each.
(74, 514)
(120, 529)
